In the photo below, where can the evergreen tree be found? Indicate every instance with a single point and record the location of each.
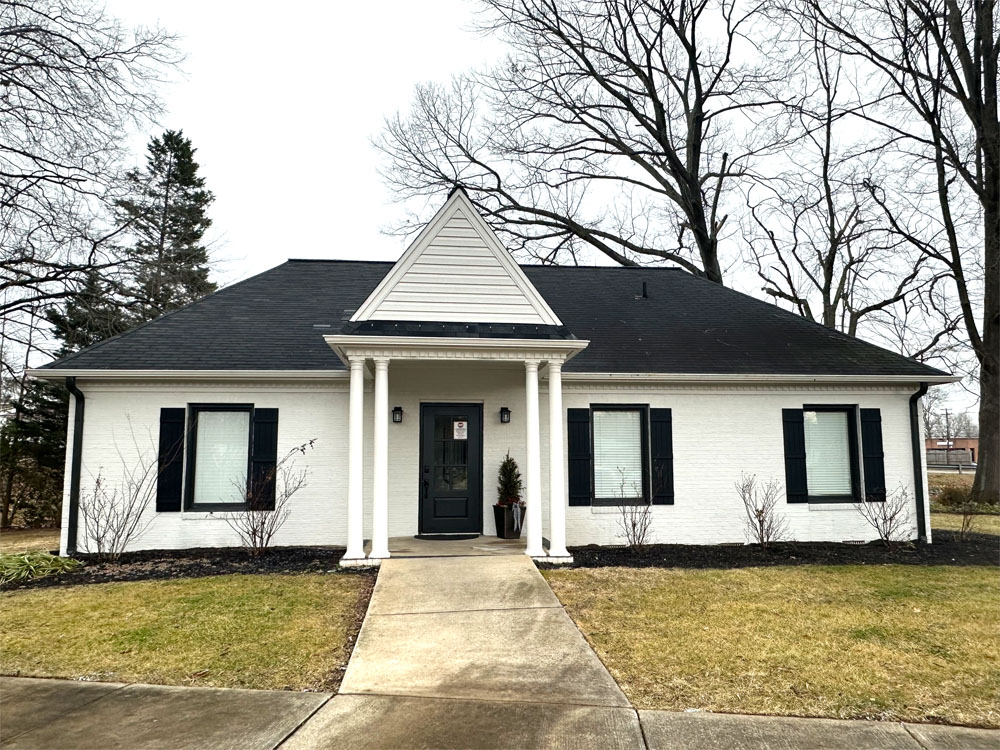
(167, 209)
(167, 215)
(93, 314)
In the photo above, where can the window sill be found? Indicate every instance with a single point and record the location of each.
(207, 515)
(831, 505)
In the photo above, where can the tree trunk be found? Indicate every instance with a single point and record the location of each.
(986, 487)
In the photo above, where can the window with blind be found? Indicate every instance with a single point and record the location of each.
(829, 453)
(619, 454)
(219, 456)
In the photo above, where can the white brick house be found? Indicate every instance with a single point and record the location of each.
(416, 378)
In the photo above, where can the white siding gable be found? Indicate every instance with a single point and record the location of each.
(457, 271)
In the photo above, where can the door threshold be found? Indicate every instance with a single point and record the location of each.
(446, 537)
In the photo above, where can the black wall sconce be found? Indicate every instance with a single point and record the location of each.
(397, 414)
(504, 415)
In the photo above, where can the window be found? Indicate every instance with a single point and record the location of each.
(620, 454)
(831, 453)
(218, 456)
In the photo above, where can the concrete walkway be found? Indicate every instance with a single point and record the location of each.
(462, 652)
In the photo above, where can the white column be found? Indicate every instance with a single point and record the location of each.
(380, 480)
(533, 484)
(355, 463)
(557, 486)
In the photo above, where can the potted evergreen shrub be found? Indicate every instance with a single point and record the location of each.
(509, 509)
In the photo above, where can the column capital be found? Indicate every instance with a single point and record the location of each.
(555, 364)
(357, 363)
(531, 364)
(381, 363)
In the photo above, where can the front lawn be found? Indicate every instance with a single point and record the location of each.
(876, 641)
(247, 631)
(984, 524)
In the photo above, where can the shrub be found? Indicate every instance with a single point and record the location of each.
(958, 500)
(26, 566)
(889, 516)
(509, 483)
(762, 522)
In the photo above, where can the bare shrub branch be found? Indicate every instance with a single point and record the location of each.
(764, 526)
(890, 518)
(258, 520)
(115, 515)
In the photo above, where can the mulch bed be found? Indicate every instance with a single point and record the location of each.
(978, 549)
(197, 563)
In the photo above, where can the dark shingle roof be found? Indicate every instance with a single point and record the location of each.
(276, 321)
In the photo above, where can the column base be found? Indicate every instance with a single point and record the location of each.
(359, 562)
(554, 559)
(379, 555)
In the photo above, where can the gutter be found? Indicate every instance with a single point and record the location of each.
(75, 464)
(918, 461)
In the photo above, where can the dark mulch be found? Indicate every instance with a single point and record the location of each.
(197, 563)
(979, 549)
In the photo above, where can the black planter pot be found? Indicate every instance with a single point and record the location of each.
(504, 517)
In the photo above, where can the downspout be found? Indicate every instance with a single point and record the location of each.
(74, 467)
(918, 460)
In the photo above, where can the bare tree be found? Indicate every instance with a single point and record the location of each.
(266, 500)
(764, 525)
(930, 71)
(114, 515)
(72, 81)
(891, 517)
(616, 126)
(813, 231)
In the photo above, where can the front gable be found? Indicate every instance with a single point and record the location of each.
(457, 271)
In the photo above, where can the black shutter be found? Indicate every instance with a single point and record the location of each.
(580, 460)
(796, 486)
(170, 463)
(661, 448)
(264, 461)
(872, 454)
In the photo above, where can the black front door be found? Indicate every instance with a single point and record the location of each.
(451, 468)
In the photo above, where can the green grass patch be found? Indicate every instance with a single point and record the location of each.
(275, 631)
(25, 566)
(28, 540)
(884, 642)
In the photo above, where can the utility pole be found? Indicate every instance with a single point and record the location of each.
(947, 437)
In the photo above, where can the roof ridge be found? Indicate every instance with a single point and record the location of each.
(130, 331)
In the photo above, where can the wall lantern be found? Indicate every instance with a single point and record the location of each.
(397, 414)
(504, 414)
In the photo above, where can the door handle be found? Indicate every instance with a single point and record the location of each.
(425, 489)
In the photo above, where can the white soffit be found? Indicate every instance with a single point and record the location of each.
(457, 271)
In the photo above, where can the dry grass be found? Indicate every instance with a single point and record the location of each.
(276, 631)
(984, 524)
(937, 481)
(28, 540)
(886, 642)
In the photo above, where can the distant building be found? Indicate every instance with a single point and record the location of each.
(940, 450)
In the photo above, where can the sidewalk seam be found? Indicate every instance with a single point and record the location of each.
(629, 707)
(302, 723)
(460, 611)
(913, 736)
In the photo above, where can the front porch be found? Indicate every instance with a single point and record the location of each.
(440, 378)
(482, 545)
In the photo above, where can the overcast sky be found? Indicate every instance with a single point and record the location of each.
(282, 107)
